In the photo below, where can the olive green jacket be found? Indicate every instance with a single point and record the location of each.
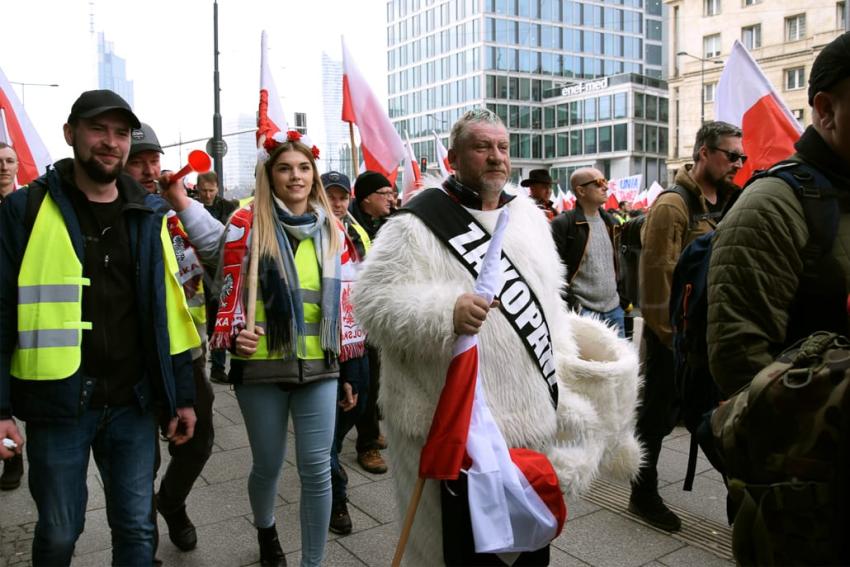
(753, 277)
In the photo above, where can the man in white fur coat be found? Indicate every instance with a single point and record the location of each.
(414, 298)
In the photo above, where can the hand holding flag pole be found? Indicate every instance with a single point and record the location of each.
(444, 450)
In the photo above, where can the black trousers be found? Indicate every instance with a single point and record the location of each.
(458, 541)
(658, 411)
(188, 459)
(368, 428)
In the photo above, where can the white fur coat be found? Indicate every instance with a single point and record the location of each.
(405, 299)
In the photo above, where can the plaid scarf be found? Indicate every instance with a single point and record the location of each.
(281, 293)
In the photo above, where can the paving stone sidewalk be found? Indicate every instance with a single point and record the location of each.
(599, 532)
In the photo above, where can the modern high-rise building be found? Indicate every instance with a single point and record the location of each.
(112, 70)
(241, 155)
(784, 37)
(336, 148)
(576, 83)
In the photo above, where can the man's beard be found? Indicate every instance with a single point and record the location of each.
(98, 172)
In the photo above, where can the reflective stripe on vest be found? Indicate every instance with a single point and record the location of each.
(364, 236)
(182, 333)
(50, 297)
(310, 280)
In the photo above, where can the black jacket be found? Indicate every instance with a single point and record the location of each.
(221, 209)
(570, 232)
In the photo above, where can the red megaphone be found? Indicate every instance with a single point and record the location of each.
(199, 161)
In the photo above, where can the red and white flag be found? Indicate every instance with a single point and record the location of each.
(653, 192)
(641, 200)
(412, 174)
(380, 144)
(612, 202)
(270, 118)
(515, 502)
(746, 99)
(17, 131)
(442, 157)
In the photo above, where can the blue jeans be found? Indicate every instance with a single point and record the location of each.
(616, 317)
(122, 440)
(356, 372)
(266, 409)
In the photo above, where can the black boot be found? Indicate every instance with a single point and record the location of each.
(13, 470)
(645, 500)
(271, 555)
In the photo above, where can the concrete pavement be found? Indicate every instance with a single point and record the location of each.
(599, 532)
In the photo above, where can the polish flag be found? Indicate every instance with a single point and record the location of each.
(746, 99)
(442, 157)
(653, 192)
(17, 131)
(515, 502)
(380, 144)
(412, 175)
(612, 202)
(270, 119)
(641, 200)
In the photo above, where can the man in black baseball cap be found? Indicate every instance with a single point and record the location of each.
(794, 217)
(143, 165)
(95, 103)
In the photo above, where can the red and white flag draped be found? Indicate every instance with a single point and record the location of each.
(412, 174)
(270, 118)
(17, 131)
(515, 502)
(746, 99)
(380, 144)
(442, 157)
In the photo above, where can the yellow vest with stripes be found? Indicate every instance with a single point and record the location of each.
(364, 236)
(310, 281)
(50, 295)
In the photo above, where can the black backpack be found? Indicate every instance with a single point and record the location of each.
(697, 392)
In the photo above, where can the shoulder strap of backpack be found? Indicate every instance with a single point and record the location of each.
(692, 202)
(819, 200)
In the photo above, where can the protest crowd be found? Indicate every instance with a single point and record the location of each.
(497, 351)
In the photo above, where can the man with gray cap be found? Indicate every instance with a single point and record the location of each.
(780, 270)
(95, 336)
(188, 459)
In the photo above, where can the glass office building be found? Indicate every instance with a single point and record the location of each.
(531, 61)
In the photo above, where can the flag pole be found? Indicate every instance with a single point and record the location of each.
(408, 521)
(355, 165)
(251, 315)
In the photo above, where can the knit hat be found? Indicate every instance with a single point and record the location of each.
(368, 182)
(831, 66)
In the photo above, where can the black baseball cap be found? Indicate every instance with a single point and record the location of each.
(95, 103)
(336, 179)
(144, 139)
(831, 66)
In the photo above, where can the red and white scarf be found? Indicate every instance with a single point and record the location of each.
(191, 270)
(231, 313)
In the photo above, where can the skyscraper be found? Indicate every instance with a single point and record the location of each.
(576, 83)
(112, 70)
(336, 152)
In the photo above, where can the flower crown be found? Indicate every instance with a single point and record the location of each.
(280, 137)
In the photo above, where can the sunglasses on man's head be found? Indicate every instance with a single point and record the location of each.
(732, 156)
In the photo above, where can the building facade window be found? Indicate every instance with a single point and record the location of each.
(708, 91)
(711, 7)
(711, 46)
(841, 15)
(795, 27)
(751, 36)
(751, 2)
(795, 78)
(798, 114)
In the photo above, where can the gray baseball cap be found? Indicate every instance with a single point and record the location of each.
(144, 139)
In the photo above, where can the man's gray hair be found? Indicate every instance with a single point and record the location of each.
(475, 115)
(711, 133)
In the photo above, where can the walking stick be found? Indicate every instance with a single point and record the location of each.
(408, 521)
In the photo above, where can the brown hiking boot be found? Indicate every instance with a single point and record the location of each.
(372, 461)
(381, 442)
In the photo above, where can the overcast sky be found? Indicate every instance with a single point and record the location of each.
(168, 47)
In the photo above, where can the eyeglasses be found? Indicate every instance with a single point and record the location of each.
(386, 193)
(601, 182)
(731, 156)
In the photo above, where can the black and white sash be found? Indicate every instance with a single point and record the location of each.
(468, 241)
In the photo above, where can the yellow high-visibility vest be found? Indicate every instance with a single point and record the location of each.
(50, 295)
(310, 282)
(364, 236)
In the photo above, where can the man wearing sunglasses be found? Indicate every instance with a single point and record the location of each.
(677, 217)
(584, 237)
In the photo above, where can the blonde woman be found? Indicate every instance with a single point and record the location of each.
(288, 366)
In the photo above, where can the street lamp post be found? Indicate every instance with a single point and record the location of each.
(24, 89)
(702, 62)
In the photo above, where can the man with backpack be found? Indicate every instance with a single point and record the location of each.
(779, 272)
(687, 210)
